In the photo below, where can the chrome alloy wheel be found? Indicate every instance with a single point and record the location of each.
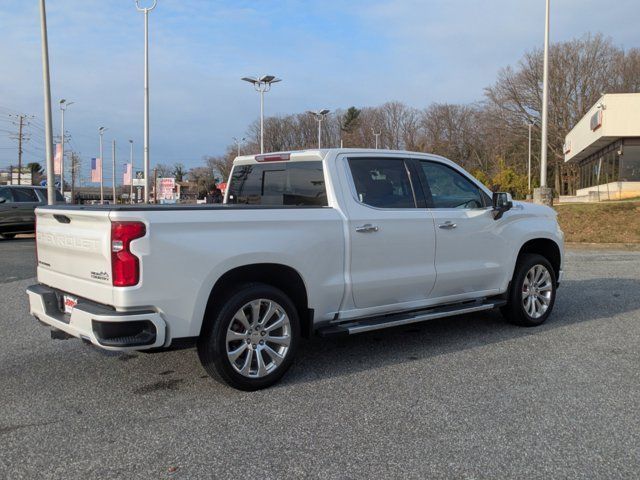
(258, 338)
(536, 291)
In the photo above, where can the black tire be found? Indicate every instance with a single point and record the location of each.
(514, 311)
(212, 344)
(8, 236)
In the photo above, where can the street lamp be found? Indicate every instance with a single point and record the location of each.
(377, 135)
(262, 85)
(320, 115)
(146, 95)
(101, 131)
(63, 107)
(238, 142)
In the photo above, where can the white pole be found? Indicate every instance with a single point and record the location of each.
(146, 96)
(319, 132)
(102, 129)
(261, 120)
(545, 102)
(62, 151)
(131, 176)
(113, 169)
(529, 162)
(48, 133)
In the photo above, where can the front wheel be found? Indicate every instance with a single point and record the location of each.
(251, 339)
(532, 293)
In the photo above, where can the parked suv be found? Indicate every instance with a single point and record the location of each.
(17, 205)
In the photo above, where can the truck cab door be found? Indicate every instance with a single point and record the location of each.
(391, 233)
(26, 201)
(9, 212)
(471, 253)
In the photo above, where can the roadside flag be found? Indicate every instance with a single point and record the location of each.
(96, 169)
(57, 160)
(126, 178)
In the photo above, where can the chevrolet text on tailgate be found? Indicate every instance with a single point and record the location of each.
(319, 242)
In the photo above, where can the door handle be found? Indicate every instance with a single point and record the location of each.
(367, 227)
(447, 225)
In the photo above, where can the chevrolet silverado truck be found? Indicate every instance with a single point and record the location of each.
(317, 242)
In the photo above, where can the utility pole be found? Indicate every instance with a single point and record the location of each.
(113, 169)
(48, 133)
(75, 167)
(146, 95)
(63, 106)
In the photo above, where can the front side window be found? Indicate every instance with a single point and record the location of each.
(24, 195)
(382, 182)
(449, 188)
(278, 183)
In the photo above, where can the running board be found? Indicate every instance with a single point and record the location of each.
(351, 327)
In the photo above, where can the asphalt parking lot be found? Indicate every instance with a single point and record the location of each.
(469, 397)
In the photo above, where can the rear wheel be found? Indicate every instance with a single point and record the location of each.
(251, 339)
(532, 292)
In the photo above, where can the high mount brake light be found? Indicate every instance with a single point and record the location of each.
(125, 266)
(278, 157)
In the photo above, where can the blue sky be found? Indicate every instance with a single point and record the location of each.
(330, 54)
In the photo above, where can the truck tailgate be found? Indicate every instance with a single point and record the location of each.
(74, 252)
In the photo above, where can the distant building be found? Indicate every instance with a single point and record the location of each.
(605, 146)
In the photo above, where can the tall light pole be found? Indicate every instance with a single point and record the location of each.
(48, 132)
(113, 169)
(131, 172)
(544, 194)
(101, 131)
(530, 124)
(63, 107)
(238, 142)
(320, 115)
(377, 135)
(262, 85)
(146, 95)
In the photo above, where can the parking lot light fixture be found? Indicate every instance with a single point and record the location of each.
(262, 85)
(320, 116)
(238, 142)
(101, 131)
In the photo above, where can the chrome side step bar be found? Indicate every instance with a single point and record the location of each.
(352, 327)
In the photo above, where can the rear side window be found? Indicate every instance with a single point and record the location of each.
(382, 182)
(278, 183)
(24, 195)
(5, 194)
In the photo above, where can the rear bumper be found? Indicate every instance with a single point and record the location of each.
(103, 327)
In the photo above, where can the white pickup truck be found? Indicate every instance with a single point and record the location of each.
(324, 242)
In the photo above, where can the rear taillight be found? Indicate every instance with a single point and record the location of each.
(125, 266)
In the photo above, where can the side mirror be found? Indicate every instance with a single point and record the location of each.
(502, 202)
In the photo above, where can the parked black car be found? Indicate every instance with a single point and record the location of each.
(17, 205)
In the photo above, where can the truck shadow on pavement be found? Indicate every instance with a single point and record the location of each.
(598, 299)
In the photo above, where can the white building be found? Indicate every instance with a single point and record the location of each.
(605, 145)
